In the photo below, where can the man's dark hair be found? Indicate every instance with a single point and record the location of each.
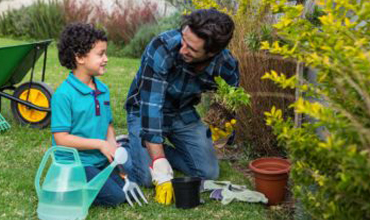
(215, 27)
(77, 39)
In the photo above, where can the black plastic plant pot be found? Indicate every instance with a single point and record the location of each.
(187, 192)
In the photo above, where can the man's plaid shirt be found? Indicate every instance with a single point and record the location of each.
(165, 86)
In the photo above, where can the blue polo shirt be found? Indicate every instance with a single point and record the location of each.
(81, 111)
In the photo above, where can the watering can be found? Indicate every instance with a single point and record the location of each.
(65, 193)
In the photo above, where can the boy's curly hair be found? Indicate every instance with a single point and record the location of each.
(77, 39)
(213, 26)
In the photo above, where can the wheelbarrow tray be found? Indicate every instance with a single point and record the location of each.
(16, 61)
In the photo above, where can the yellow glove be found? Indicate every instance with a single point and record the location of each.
(162, 174)
(164, 193)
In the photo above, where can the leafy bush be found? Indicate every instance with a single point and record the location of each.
(46, 19)
(125, 20)
(331, 168)
(39, 21)
(13, 23)
(115, 50)
(77, 11)
(146, 32)
(313, 16)
(253, 39)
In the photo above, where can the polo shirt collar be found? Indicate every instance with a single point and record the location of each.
(82, 87)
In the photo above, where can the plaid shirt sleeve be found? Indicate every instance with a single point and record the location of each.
(230, 71)
(156, 63)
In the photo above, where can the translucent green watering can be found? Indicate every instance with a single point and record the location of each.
(65, 193)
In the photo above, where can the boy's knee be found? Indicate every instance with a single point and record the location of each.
(110, 200)
(118, 199)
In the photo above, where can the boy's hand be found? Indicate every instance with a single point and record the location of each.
(108, 150)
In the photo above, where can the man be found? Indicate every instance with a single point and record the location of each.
(176, 68)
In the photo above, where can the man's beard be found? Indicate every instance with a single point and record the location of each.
(199, 62)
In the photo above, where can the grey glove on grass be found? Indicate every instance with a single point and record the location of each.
(244, 195)
(227, 192)
(210, 185)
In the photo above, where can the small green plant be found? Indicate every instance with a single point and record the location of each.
(231, 98)
(221, 115)
(253, 39)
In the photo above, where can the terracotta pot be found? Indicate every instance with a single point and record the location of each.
(271, 177)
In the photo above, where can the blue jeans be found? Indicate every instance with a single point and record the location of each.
(111, 193)
(192, 152)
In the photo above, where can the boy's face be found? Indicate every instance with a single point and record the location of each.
(95, 61)
(192, 47)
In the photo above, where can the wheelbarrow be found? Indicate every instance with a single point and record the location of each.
(30, 101)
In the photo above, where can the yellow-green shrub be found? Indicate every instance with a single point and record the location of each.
(331, 171)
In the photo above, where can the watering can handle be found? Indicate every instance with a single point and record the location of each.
(45, 159)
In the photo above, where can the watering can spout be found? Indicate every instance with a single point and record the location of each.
(95, 184)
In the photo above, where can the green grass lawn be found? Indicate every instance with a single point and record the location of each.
(21, 149)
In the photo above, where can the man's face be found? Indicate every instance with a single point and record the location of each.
(192, 47)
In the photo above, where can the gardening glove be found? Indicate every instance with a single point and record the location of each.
(162, 174)
(227, 195)
(209, 185)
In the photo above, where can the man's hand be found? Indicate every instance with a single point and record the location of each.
(107, 150)
(162, 174)
(164, 193)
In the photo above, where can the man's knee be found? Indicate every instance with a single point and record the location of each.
(209, 167)
(211, 173)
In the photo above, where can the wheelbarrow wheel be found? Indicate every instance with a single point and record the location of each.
(39, 95)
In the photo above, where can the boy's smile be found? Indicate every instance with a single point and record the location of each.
(94, 62)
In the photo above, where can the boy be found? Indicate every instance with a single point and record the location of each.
(81, 113)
